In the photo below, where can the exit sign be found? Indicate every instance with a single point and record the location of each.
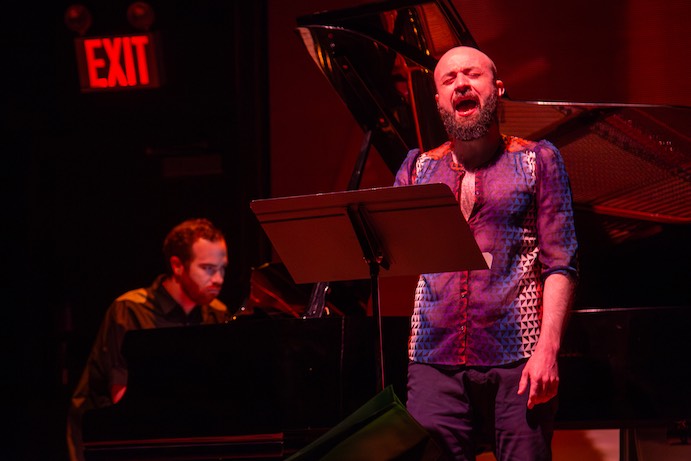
(117, 63)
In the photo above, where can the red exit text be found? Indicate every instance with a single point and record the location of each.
(123, 62)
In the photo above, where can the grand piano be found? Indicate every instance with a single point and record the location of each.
(624, 361)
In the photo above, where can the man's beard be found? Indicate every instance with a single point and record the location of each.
(467, 130)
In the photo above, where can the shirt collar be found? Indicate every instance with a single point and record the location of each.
(163, 298)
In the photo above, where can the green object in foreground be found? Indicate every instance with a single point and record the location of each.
(382, 429)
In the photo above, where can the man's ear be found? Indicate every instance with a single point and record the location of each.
(176, 265)
(500, 88)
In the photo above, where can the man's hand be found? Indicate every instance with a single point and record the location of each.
(541, 372)
(541, 376)
(117, 391)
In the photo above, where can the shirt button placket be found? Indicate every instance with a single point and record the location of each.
(463, 306)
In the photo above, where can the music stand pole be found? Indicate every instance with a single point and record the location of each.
(374, 256)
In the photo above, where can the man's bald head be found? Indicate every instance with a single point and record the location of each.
(467, 55)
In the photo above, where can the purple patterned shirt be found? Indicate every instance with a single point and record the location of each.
(523, 217)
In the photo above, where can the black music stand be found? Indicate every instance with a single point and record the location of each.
(368, 233)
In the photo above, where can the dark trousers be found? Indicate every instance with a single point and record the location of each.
(470, 410)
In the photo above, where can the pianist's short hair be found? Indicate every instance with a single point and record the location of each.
(180, 239)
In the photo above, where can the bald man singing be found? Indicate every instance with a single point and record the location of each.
(483, 346)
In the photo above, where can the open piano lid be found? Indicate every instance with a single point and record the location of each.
(625, 160)
(629, 163)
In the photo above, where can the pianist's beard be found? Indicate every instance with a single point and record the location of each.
(474, 127)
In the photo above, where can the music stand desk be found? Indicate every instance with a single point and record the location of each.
(368, 233)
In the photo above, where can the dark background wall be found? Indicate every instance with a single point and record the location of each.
(91, 182)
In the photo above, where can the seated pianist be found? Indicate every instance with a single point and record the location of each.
(196, 256)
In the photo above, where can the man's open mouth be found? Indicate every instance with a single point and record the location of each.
(465, 106)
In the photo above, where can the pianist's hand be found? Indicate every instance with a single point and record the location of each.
(117, 391)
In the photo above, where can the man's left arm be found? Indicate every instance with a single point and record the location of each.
(558, 259)
(541, 372)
